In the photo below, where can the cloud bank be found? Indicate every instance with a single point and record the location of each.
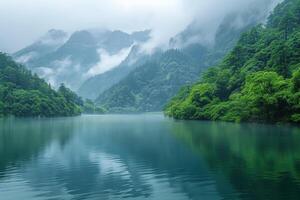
(107, 61)
(22, 22)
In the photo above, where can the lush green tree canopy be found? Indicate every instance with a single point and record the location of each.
(258, 81)
(23, 94)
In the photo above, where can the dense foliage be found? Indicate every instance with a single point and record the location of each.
(89, 107)
(258, 81)
(23, 94)
(150, 86)
(154, 80)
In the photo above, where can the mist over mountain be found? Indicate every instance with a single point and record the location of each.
(48, 43)
(149, 87)
(257, 81)
(23, 94)
(150, 99)
(94, 61)
(165, 18)
(84, 54)
(96, 85)
(206, 25)
(205, 41)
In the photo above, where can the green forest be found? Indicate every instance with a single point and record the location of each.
(259, 80)
(157, 78)
(24, 94)
(151, 85)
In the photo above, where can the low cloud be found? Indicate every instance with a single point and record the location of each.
(24, 21)
(27, 57)
(108, 61)
(56, 74)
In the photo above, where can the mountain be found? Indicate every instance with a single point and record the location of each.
(80, 48)
(150, 86)
(259, 80)
(23, 94)
(114, 41)
(51, 41)
(70, 61)
(96, 85)
(73, 60)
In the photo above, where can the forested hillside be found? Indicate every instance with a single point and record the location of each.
(24, 94)
(96, 85)
(258, 81)
(151, 85)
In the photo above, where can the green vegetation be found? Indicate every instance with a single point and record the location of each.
(258, 81)
(89, 107)
(150, 86)
(23, 94)
(250, 157)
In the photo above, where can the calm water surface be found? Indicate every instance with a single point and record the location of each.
(146, 157)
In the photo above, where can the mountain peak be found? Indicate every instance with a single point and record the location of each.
(82, 36)
(56, 33)
(141, 36)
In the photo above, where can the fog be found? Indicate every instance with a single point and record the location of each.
(107, 61)
(22, 22)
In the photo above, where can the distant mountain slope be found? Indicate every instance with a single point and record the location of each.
(24, 94)
(80, 48)
(50, 42)
(150, 86)
(70, 60)
(96, 85)
(259, 80)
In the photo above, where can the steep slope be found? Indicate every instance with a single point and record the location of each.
(24, 94)
(118, 40)
(71, 61)
(151, 88)
(50, 42)
(96, 85)
(81, 48)
(257, 81)
(66, 63)
(148, 87)
(114, 41)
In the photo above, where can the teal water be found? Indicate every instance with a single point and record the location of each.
(146, 157)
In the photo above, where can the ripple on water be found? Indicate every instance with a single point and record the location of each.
(146, 157)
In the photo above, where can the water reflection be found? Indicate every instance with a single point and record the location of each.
(105, 157)
(146, 157)
(260, 161)
(23, 139)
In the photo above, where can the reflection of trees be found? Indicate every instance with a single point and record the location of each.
(261, 161)
(23, 139)
(143, 156)
(68, 157)
(147, 150)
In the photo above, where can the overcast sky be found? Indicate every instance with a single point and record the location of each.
(23, 21)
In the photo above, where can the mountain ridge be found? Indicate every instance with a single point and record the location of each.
(71, 59)
(198, 57)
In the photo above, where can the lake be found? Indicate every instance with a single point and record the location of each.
(146, 156)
